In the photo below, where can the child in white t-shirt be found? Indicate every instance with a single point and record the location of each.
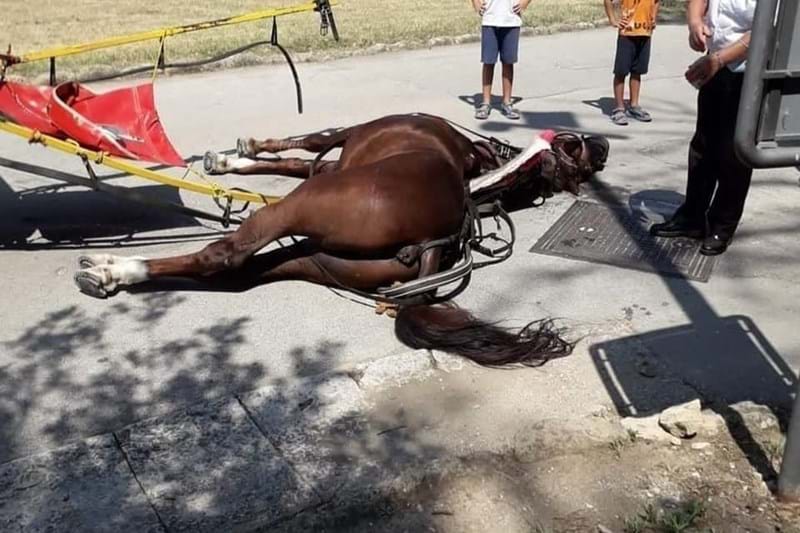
(499, 36)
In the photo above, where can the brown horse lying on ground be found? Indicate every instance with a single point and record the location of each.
(401, 182)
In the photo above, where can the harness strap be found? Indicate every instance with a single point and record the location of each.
(422, 290)
(503, 252)
(507, 150)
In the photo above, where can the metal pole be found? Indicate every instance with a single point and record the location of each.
(762, 46)
(789, 479)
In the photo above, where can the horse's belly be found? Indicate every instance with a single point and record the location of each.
(399, 201)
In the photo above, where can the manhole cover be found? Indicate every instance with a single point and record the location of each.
(601, 234)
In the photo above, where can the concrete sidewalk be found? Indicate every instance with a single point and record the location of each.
(347, 451)
(263, 457)
(260, 458)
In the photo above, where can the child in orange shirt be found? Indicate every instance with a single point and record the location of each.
(635, 22)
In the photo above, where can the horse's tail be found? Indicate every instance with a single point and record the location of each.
(452, 329)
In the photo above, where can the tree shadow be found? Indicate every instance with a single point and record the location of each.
(203, 446)
(43, 393)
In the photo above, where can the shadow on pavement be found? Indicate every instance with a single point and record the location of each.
(725, 360)
(66, 214)
(204, 446)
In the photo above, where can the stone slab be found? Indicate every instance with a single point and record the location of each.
(86, 487)
(321, 428)
(209, 468)
(395, 370)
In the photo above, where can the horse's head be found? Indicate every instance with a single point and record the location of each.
(573, 159)
(554, 162)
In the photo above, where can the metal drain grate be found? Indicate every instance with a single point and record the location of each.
(601, 234)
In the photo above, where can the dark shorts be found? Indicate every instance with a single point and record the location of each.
(633, 55)
(499, 41)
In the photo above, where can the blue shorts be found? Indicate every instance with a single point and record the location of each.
(499, 41)
(633, 55)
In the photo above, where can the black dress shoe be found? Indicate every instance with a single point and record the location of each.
(676, 228)
(714, 245)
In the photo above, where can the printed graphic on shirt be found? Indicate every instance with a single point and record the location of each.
(640, 15)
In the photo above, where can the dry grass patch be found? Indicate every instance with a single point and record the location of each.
(33, 25)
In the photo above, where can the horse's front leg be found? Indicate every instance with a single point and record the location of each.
(313, 142)
(217, 163)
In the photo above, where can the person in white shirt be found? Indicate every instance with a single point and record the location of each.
(500, 27)
(717, 182)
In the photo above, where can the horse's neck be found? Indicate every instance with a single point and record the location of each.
(506, 174)
(484, 157)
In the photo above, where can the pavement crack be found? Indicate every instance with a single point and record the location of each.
(138, 482)
(277, 448)
(356, 374)
(770, 277)
(432, 359)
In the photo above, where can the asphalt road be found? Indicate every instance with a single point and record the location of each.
(72, 366)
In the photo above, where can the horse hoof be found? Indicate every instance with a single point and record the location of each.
(211, 163)
(86, 261)
(245, 148)
(90, 284)
(89, 261)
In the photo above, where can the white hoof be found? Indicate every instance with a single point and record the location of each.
(246, 147)
(214, 163)
(101, 280)
(93, 281)
(91, 260)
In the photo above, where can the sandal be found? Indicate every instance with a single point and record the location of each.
(509, 111)
(639, 114)
(482, 111)
(618, 117)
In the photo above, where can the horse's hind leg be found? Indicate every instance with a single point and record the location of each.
(217, 163)
(314, 142)
(430, 261)
(301, 261)
(304, 261)
(266, 225)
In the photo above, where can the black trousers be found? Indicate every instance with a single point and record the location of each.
(717, 182)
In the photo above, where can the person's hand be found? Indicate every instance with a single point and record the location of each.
(480, 6)
(521, 6)
(624, 22)
(698, 35)
(702, 70)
